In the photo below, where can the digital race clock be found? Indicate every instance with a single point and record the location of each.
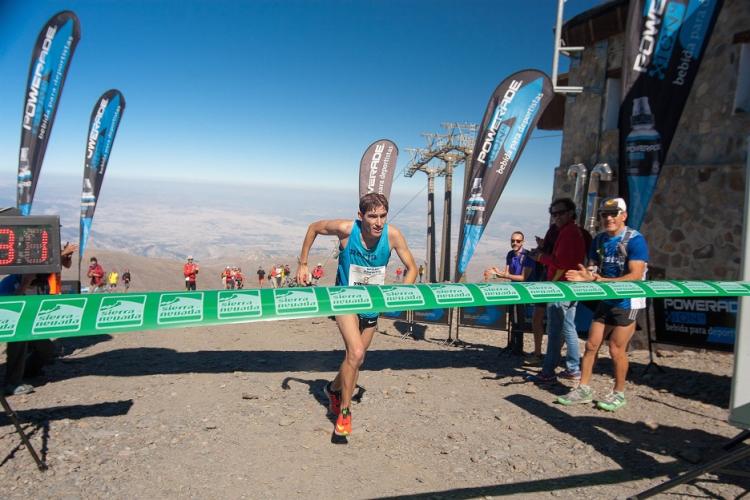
(29, 244)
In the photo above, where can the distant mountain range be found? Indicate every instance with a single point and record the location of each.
(247, 225)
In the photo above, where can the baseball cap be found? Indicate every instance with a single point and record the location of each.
(189, 257)
(613, 205)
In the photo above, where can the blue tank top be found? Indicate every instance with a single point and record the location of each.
(359, 265)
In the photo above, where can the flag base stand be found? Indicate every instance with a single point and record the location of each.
(728, 457)
(41, 465)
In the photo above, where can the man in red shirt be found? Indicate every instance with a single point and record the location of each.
(96, 275)
(190, 270)
(568, 252)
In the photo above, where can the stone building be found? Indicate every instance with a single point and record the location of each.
(694, 224)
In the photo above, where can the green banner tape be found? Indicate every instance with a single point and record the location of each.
(55, 316)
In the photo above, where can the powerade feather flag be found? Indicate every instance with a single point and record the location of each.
(512, 114)
(105, 118)
(376, 168)
(664, 45)
(49, 65)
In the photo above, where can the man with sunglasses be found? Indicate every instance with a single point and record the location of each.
(518, 267)
(618, 253)
(568, 253)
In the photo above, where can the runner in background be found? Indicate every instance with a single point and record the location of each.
(96, 276)
(317, 273)
(261, 276)
(112, 278)
(190, 271)
(365, 246)
(126, 279)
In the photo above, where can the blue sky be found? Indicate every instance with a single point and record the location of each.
(271, 92)
(273, 95)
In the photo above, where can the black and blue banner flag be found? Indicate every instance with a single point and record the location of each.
(664, 44)
(50, 60)
(512, 114)
(105, 119)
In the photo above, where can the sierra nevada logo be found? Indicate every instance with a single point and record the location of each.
(447, 294)
(498, 292)
(663, 288)
(10, 314)
(59, 316)
(244, 304)
(351, 298)
(295, 301)
(583, 290)
(121, 312)
(544, 290)
(180, 308)
(403, 295)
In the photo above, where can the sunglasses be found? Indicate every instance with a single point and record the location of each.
(516, 241)
(604, 215)
(555, 213)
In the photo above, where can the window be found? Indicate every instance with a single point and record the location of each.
(612, 98)
(742, 94)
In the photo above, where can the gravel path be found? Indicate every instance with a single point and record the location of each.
(238, 412)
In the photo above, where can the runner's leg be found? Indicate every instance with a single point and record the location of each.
(618, 345)
(355, 354)
(594, 342)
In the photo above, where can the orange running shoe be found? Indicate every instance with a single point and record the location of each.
(334, 399)
(343, 423)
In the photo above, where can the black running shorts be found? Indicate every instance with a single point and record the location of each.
(367, 322)
(615, 316)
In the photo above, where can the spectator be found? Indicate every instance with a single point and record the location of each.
(618, 253)
(239, 279)
(518, 267)
(126, 279)
(272, 276)
(112, 278)
(261, 276)
(96, 276)
(421, 272)
(398, 273)
(190, 271)
(544, 245)
(317, 273)
(568, 252)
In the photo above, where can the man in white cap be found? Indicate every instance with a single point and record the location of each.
(190, 270)
(618, 253)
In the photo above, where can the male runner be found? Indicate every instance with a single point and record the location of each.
(365, 248)
(619, 254)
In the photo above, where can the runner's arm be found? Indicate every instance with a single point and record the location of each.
(398, 243)
(335, 227)
(636, 268)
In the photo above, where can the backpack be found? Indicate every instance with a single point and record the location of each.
(622, 249)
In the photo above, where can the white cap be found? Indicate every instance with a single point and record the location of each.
(189, 257)
(612, 204)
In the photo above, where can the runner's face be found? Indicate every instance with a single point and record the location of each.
(373, 221)
(613, 222)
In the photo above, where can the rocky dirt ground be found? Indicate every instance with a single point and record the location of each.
(238, 412)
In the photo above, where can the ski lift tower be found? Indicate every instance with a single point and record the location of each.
(418, 163)
(450, 149)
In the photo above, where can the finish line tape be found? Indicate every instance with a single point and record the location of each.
(36, 317)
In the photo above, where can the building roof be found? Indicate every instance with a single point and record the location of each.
(596, 24)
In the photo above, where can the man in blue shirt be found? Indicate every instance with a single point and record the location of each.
(518, 267)
(365, 246)
(618, 253)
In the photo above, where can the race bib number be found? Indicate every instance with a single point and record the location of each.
(365, 275)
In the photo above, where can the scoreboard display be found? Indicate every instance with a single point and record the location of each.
(29, 244)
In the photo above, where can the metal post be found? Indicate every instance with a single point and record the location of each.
(431, 275)
(559, 47)
(445, 244)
